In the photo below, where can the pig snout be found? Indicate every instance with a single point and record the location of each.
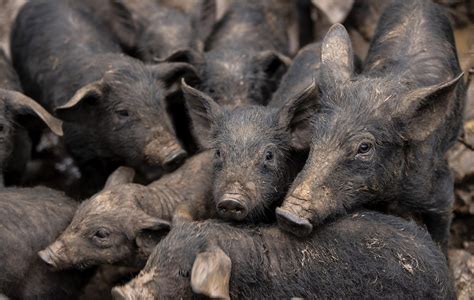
(119, 293)
(50, 254)
(233, 206)
(132, 291)
(169, 155)
(293, 223)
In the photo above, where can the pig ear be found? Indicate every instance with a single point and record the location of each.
(203, 111)
(204, 20)
(125, 23)
(78, 107)
(272, 62)
(424, 109)
(296, 115)
(171, 74)
(210, 275)
(122, 175)
(152, 230)
(337, 56)
(21, 104)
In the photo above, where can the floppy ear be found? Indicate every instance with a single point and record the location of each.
(21, 104)
(126, 22)
(204, 18)
(337, 57)
(203, 112)
(296, 115)
(80, 106)
(120, 176)
(272, 62)
(424, 109)
(151, 231)
(210, 275)
(171, 73)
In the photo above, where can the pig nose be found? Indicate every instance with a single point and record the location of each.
(232, 209)
(174, 160)
(48, 257)
(292, 223)
(119, 294)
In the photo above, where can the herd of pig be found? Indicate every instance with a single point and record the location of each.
(217, 163)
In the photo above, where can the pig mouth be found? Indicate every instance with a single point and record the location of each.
(232, 206)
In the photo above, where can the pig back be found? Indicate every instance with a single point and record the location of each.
(8, 77)
(30, 219)
(365, 253)
(57, 48)
(414, 41)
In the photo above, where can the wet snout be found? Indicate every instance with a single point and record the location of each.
(52, 255)
(233, 206)
(165, 150)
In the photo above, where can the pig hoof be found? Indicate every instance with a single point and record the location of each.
(292, 223)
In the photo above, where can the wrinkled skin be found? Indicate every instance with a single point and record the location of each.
(30, 218)
(155, 29)
(382, 256)
(381, 136)
(113, 99)
(255, 150)
(15, 112)
(122, 223)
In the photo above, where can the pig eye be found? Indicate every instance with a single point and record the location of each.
(1, 128)
(217, 153)
(183, 273)
(269, 155)
(102, 233)
(365, 148)
(122, 113)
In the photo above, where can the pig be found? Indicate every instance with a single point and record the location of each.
(156, 29)
(258, 150)
(362, 255)
(30, 219)
(381, 136)
(15, 112)
(113, 105)
(245, 55)
(122, 223)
